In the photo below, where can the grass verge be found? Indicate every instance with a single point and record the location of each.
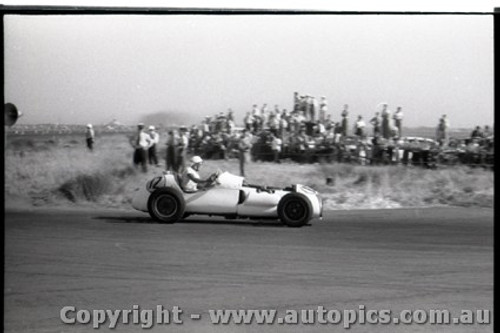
(62, 171)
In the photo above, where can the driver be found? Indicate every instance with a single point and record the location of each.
(191, 178)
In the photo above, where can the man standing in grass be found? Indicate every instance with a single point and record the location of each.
(375, 121)
(442, 131)
(398, 121)
(182, 148)
(344, 125)
(141, 143)
(359, 127)
(386, 127)
(90, 137)
(244, 146)
(171, 157)
(276, 144)
(323, 109)
(248, 120)
(155, 139)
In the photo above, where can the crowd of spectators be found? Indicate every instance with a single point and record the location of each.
(308, 133)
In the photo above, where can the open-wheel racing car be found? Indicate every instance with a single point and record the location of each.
(229, 196)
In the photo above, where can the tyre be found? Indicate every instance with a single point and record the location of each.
(166, 205)
(294, 210)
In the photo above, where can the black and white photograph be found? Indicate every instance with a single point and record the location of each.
(248, 169)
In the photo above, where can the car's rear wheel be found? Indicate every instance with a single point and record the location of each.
(166, 205)
(294, 210)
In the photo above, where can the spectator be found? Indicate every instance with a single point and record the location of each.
(248, 121)
(477, 133)
(230, 115)
(386, 126)
(255, 111)
(296, 101)
(182, 148)
(195, 136)
(337, 133)
(285, 115)
(284, 125)
(206, 126)
(321, 129)
(301, 118)
(487, 132)
(141, 143)
(362, 158)
(302, 142)
(344, 125)
(155, 139)
(314, 109)
(376, 152)
(90, 137)
(293, 122)
(278, 115)
(244, 146)
(330, 135)
(398, 121)
(171, 158)
(230, 126)
(219, 144)
(257, 119)
(220, 125)
(296, 119)
(375, 121)
(264, 115)
(329, 124)
(442, 131)
(323, 109)
(206, 144)
(359, 127)
(276, 144)
(309, 127)
(277, 109)
(274, 124)
(309, 107)
(303, 103)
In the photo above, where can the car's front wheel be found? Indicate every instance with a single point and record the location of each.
(166, 205)
(294, 210)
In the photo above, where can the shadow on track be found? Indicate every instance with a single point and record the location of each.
(148, 220)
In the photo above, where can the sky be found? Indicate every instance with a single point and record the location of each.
(78, 69)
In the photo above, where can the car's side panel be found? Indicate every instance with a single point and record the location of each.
(260, 203)
(212, 201)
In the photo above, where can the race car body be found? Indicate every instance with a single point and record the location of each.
(164, 199)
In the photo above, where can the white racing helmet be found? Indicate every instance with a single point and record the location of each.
(196, 160)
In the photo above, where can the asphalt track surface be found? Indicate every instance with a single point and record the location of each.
(433, 258)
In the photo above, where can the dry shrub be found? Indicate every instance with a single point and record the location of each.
(21, 144)
(123, 173)
(86, 187)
